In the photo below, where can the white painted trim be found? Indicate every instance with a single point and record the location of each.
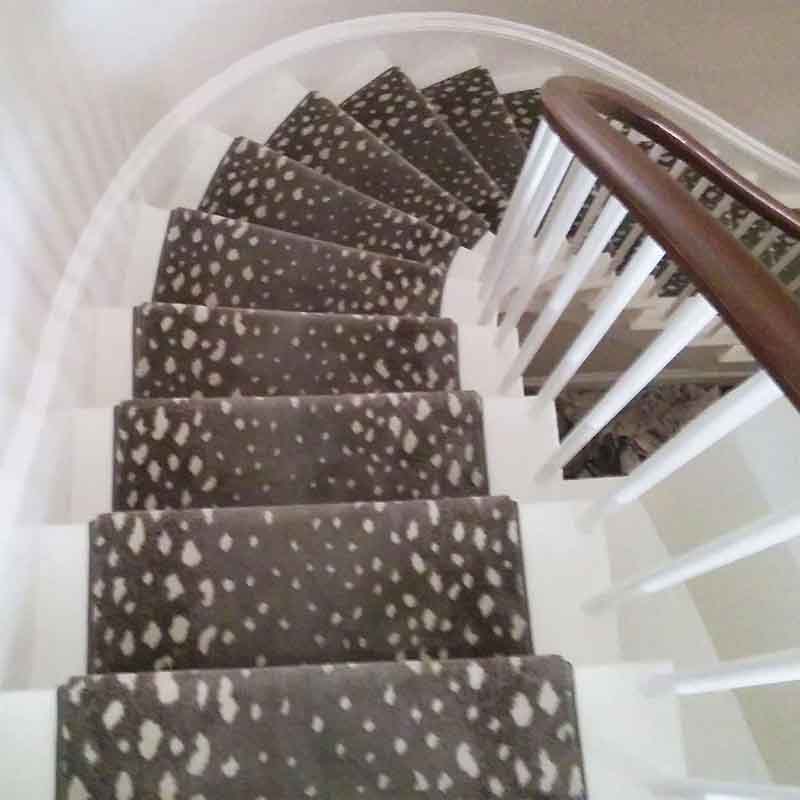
(461, 300)
(92, 463)
(482, 361)
(427, 71)
(61, 612)
(210, 149)
(629, 740)
(44, 381)
(484, 245)
(563, 568)
(466, 265)
(145, 251)
(507, 82)
(372, 61)
(28, 755)
(269, 101)
(699, 789)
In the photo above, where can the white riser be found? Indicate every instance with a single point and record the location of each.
(624, 736)
(482, 363)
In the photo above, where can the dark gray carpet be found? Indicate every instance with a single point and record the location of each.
(297, 450)
(183, 351)
(283, 585)
(318, 133)
(463, 729)
(217, 261)
(392, 108)
(259, 184)
(471, 105)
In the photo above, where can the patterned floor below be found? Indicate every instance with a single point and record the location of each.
(655, 416)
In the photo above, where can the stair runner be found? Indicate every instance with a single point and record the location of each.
(483, 728)
(195, 351)
(526, 108)
(318, 133)
(474, 109)
(256, 183)
(305, 587)
(307, 584)
(219, 261)
(392, 108)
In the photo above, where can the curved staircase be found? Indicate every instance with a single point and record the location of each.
(317, 565)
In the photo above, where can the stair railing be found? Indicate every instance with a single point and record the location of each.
(561, 222)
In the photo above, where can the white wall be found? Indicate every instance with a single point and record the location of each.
(753, 606)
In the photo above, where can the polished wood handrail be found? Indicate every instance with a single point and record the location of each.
(752, 301)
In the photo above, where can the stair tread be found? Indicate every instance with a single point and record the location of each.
(281, 270)
(293, 450)
(184, 350)
(525, 106)
(473, 729)
(321, 135)
(306, 584)
(259, 184)
(471, 104)
(397, 112)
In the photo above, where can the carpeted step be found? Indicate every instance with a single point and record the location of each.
(392, 108)
(525, 107)
(285, 585)
(319, 134)
(296, 450)
(259, 184)
(501, 727)
(471, 104)
(194, 351)
(215, 260)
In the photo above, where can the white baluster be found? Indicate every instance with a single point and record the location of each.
(769, 531)
(611, 306)
(766, 241)
(571, 197)
(743, 673)
(698, 789)
(687, 323)
(749, 220)
(787, 258)
(719, 419)
(579, 267)
(512, 228)
(519, 259)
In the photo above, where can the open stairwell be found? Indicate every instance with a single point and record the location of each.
(303, 555)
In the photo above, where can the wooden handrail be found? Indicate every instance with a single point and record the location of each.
(752, 301)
